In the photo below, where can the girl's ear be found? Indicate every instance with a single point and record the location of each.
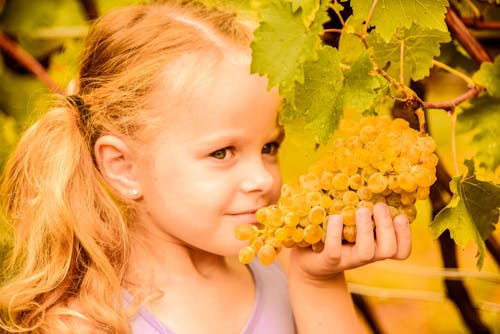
(117, 165)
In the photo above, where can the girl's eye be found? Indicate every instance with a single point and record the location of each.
(221, 154)
(271, 148)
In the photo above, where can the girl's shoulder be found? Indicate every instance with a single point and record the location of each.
(272, 312)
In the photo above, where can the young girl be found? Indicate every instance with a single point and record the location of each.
(125, 197)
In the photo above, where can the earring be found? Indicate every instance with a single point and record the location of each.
(133, 192)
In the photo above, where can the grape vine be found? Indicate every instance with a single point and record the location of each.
(382, 49)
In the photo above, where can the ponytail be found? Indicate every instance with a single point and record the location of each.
(70, 239)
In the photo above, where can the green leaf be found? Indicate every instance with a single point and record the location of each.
(350, 45)
(472, 213)
(488, 76)
(389, 15)
(316, 102)
(360, 85)
(482, 118)
(309, 9)
(282, 44)
(420, 45)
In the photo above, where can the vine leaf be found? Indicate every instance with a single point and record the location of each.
(360, 85)
(350, 45)
(309, 9)
(283, 43)
(472, 213)
(488, 76)
(421, 45)
(316, 102)
(483, 113)
(389, 15)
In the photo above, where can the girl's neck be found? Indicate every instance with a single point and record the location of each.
(157, 263)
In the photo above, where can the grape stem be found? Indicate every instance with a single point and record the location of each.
(333, 30)
(341, 19)
(453, 71)
(472, 92)
(368, 19)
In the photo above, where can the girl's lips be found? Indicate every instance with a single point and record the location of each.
(244, 217)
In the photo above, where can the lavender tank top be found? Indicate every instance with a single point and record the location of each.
(272, 312)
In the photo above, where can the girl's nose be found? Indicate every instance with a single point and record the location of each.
(257, 178)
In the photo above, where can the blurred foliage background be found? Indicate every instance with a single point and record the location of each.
(403, 297)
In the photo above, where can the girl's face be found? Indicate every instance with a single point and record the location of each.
(215, 163)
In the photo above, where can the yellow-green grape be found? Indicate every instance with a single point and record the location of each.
(393, 199)
(309, 181)
(267, 254)
(407, 182)
(372, 160)
(348, 127)
(422, 193)
(348, 215)
(318, 247)
(245, 232)
(325, 180)
(426, 144)
(393, 210)
(364, 193)
(269, 215)
(246, 254)
(348, 166)
(410, 211)
(401, 164)
(407, 198)
(317, 215)
(283, 233)
(326, 201)
(365, 204)
(355, 182)
(423, 176)
(349, 233)
(300, 205)
(340, 181)
(367, 133)
(377, 182)
(291, 219)
(313, 198)
(411, 153)
(350, 198)
(298, 235)
(336, 206)
(313, 234)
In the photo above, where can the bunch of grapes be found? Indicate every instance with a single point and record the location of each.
(377, 159)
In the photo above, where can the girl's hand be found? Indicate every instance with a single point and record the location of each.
(391, 240)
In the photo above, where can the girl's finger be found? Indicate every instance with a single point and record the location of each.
(333, 240)
(384, 228)
(403, 237)
(365, 242)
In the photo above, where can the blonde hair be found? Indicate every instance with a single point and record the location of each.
(71, 232)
